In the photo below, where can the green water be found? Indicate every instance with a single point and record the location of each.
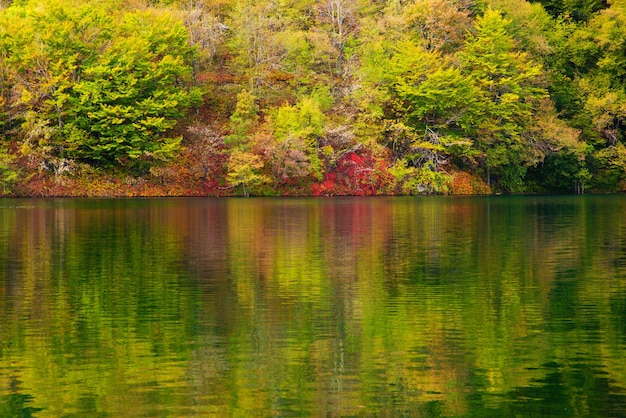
(385, 307)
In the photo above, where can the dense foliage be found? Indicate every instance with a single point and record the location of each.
(316, 97)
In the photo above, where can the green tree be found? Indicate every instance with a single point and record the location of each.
(509, 91)
(440, 102)
(9, 174)
(305, 121)
(588, 86)
(126, 102)
(578, 10)
(298, 130)
(244, 119)
(97, 84)
(44, 49)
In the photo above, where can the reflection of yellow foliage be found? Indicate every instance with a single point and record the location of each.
(318, 303)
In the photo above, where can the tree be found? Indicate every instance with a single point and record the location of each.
(507, 81)
(255, 39)
(442, 24)
(45, 49)
(9, 174)
(206, 31)
(207, 151)
(289, 161)
(243, 119)
(133, 95)
(590, 89)
(533, 29)
(578, 10)
(243, 170)
(298, 130)
(339, 16)
(96, 84)
(439, 105)
(605, 84)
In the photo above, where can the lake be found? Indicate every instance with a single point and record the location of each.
(332, 307)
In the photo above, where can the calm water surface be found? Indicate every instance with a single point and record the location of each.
(419, 307)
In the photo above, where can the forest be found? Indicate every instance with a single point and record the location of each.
(311, 97)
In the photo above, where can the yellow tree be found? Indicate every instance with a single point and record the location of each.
(243, 170)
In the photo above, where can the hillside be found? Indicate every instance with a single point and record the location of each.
(311, 97)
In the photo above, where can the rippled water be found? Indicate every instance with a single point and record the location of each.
(456, 307)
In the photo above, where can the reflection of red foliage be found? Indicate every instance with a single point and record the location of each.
(354, 174)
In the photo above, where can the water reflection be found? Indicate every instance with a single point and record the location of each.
(315, 307)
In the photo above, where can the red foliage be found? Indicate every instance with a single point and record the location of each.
(354, 174)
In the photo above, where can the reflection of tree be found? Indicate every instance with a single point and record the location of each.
(17, 405)
(99, 301)
(431, 307)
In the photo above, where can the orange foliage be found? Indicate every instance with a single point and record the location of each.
(277, 76)
(215, 77)
(461, 183)
(465, 184)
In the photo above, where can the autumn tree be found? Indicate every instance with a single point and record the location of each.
(9, 173)
(297, 131)
(206, 151)
(300, 90)
(244, 170)
(255, 40)
(507, 82)
(579, 10)
(96, 84)
(442, 24)
(45, 53)
(206, 32)
(339, 16)
(588, 86)
(243, 119)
